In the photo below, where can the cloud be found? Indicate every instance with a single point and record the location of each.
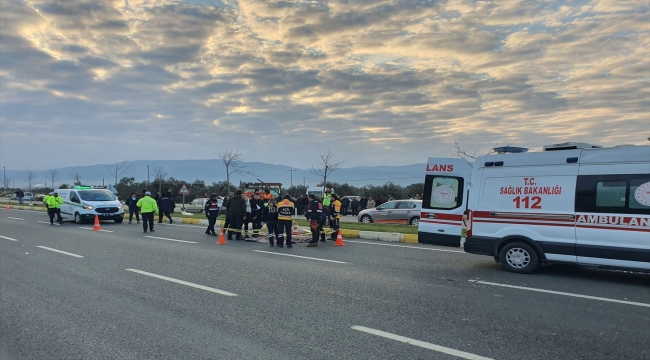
(380, 81)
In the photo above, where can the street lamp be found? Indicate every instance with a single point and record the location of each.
(291, 176)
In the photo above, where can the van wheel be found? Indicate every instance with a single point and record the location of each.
(518, 257)
(78, 219)
(366, 219)
(414, 221)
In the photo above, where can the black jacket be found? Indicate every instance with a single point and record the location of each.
(164, 204)
(132, 204)
(254, 204)
(345, 202)
(270, 213)
(236, 206)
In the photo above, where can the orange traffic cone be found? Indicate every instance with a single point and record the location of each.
(222, 240)
(97, 227)
(295, 230)
(8, 207)
(339, 239)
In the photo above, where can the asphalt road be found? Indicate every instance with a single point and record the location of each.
(121, 295)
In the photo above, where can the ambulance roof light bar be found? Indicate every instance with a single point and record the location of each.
(510, 150)
(571, 146)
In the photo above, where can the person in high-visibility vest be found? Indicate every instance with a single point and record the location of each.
(148, 207)
(285, 220)
(335, 215)
(54, 207)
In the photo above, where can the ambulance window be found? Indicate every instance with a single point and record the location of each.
(611, 193)
(442, 192)
(640, 193)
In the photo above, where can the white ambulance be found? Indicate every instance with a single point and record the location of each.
(571, 203)
(84, 202)
(444, 200)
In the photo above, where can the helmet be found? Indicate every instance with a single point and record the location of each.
(213, 196)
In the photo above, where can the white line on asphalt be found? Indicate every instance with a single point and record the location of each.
(9, 217)
(59, 251)
(426, 345)
(45, 222)
(302, 257)
(405, 246)
(8, 238)
(183, 282)
(183, 241)
(85, 228)
(562, 293)
(197, 225)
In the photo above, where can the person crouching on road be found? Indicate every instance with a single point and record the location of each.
(315, 216)
(165, 207)
(54, 208)
(211, 212)
(335, 215)
(270, 217)
(285, 220)
(132, 203)
(147, 207)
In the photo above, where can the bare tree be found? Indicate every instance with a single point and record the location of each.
(30, 179)
(52, 175)
(233, 160)
(119, 169)
(76, 177)
(159, 175)
(325, 165)
(470, 157)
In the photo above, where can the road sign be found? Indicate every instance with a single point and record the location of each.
(184, 190)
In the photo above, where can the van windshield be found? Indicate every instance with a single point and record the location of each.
(96, 195)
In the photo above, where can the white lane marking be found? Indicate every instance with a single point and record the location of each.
(302, 257)
(183, 282)
(183, 241)
(8, 238)
(426, 345)
(85, 228)
(562, 293)
(405, 246)
(45, 222)
(197, 225)
(59, 251)
(9, 217)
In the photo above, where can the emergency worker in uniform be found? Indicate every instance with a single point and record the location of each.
(270, 217)
(335, 215)
(285, 220)
(54, 208)
(315, 216)
(148, 207)
(211, 212)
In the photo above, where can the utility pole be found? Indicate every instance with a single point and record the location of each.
(291, 176)
(304, 181)
(148, 173)
(4, 179)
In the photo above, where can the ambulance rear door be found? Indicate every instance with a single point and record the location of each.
(444, 200)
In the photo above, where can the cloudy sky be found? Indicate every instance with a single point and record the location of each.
(376, 81)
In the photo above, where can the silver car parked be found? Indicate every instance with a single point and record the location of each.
(393, 212)
(198, 205)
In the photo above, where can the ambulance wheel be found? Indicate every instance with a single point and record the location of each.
(414, 221)
(519, 257)
(78, 219)
(366, 219)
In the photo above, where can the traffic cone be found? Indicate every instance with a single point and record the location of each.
(222, 240)
(8, 207)
(339, 240)
(295, 230)
(96, 227)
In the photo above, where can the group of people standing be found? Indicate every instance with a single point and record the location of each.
(147, 206)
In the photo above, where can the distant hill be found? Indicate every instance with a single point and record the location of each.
(214, 171)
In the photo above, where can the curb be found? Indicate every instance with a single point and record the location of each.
(350, 234)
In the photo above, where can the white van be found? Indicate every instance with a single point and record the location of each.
(571, 203)
(84, 202)
(317, 191)
(446, 183)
